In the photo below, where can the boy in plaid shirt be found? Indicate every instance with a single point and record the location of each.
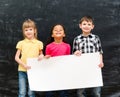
(88, 43)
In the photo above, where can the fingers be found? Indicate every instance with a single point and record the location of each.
(101, 65)
(77, 53)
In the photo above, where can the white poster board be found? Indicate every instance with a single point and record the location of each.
(65, 72)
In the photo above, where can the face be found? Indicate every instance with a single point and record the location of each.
(29, 32)
(86, 27)
(58, 32)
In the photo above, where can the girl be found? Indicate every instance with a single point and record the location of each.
(57, 47)
(29, 47)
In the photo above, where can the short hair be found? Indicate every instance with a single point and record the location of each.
(29, 23)
(87, 18)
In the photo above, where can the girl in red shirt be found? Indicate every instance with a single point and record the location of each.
(57, 47)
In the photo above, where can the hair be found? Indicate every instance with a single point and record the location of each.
(29, 23)
(51, 39)
(87, 18)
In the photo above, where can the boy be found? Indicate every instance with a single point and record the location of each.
(88, 43)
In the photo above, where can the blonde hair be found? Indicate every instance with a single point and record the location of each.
(29, 23)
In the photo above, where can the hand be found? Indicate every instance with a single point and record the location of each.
(77, 53)
(47, 56)
(41, 56)
(101, 65)
(27, 67)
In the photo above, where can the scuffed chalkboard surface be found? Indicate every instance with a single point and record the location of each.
(68, 12)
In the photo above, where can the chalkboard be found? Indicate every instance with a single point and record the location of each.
(68, 12)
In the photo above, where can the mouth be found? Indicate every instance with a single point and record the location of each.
(58, 33)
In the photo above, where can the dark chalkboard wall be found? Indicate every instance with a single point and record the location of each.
(68, 12)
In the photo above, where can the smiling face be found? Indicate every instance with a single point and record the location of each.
(86, 27)
(29, 32)
(29, 29)
(58, 32)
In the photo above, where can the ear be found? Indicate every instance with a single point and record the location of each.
(64, 35)
(93, 26)
(35, 30)
(52, 35)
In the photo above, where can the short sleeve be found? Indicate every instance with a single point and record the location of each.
(99, 45)
(41, 45)
(47, 50)
(69, 49)
(19, 45)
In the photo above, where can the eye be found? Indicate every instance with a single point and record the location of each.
(55, 30)
(30, 29)
(26, 30)
(89, 24)
(84, 23)
(60, 30)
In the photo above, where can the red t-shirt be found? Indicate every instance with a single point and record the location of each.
(57, 49)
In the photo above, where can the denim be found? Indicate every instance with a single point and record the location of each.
(23, 85)
(80, 93)
(62, 93)
(96, 92)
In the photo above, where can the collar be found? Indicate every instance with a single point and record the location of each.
(89, 36)
(27, 40)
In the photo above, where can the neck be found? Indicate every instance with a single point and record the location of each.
(58, 40)
(30, 38)
(86, 34)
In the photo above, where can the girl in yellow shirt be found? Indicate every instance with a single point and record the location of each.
(29, 47)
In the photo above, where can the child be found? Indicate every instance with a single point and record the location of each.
(88, 43)
(57, 47)
(29, 47)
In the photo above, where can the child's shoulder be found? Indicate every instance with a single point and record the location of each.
(38, 40)
(50, 44)
(21, 41)
(78, 36)
(94, 35)
(65, 43)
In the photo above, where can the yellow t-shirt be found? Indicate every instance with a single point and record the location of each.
(29, 49)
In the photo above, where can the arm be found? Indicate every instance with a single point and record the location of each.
(47, 56)
(47, 52)
(76, 50)
(101, 65)
(19, 61)
(99, 47)
(41, 55)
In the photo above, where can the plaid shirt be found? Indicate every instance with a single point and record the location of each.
(89, 44)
